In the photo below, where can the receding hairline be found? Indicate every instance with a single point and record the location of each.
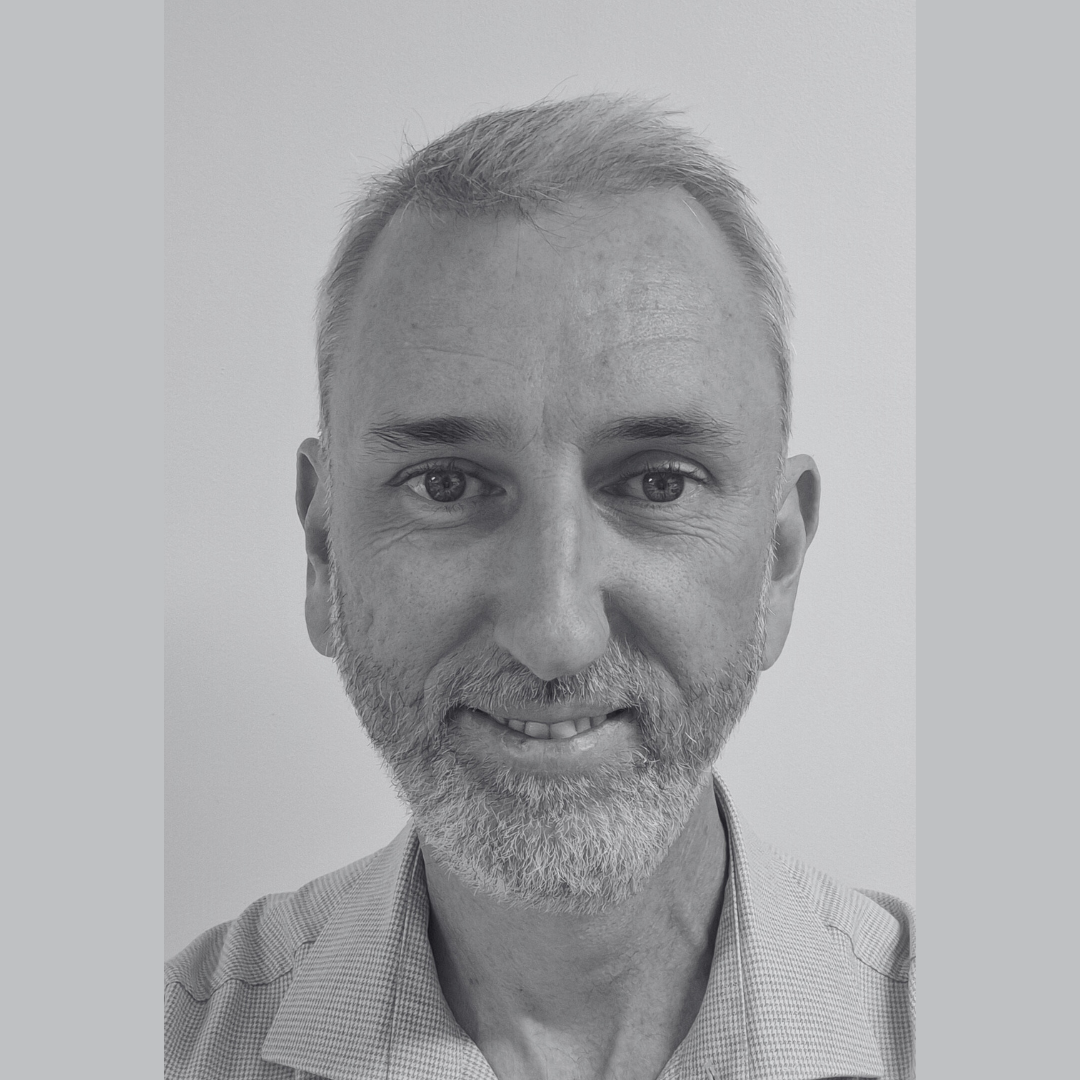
(522, 162)
(423, 259)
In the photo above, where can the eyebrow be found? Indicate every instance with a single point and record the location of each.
(689, 427)
(438, 431)
(460, 430)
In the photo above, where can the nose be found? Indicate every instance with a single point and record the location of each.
(549, 602)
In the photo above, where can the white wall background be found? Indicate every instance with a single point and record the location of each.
(274, 109)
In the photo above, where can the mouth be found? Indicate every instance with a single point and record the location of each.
(556, 740)
(554, 728)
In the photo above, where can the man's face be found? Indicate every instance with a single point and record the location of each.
(554, 449)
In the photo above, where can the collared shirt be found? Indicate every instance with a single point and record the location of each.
(809, 980)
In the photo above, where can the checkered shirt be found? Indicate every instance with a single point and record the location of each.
(809, 980)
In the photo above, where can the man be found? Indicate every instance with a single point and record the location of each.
(553, 536)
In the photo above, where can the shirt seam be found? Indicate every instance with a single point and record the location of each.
(846, 934)
(862, 959)
(225, 980)
(294, 957)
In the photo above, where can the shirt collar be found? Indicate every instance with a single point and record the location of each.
(782, 999)
(365, 999)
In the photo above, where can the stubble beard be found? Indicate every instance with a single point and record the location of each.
(571, 844)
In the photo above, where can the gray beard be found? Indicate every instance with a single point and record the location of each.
(577, 844)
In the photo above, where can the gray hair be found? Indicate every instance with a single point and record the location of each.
(526, 160)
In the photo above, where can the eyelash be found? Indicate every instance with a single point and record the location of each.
(680, 468)
(428, 466)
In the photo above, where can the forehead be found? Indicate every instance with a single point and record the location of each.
(572, 313)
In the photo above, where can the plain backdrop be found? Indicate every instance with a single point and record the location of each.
(274, 110)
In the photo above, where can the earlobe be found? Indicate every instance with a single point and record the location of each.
(796, 524)
(312, 504)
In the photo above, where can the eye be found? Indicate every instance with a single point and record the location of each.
(446, 483)
(658, 482)
(662, 486)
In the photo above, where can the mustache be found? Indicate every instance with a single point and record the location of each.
(494, 682)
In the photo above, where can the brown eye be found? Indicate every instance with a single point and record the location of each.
(662, 486)
(445, 485)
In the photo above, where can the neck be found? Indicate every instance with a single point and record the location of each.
(576, 996)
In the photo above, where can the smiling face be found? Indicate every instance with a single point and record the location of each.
(554, 450)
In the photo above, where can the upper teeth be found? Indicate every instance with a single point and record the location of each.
(564, 729)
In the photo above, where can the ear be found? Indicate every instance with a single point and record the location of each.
(313, 506)
(796, 523)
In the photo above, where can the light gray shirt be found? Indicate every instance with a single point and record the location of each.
(809, 979)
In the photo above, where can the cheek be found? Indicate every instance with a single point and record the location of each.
(695, 609)
(405, 604)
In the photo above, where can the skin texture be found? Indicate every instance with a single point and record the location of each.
(546, 335)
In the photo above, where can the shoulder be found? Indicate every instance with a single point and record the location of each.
(263, 942)
(879, 928)
(876, 932)
(223, 990)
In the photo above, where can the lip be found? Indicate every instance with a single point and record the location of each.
(616, 738)
(553, 714)
(554, 724)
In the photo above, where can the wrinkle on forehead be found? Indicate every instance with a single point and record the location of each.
(638, 285)
(669, 245)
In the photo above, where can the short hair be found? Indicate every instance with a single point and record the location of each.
(525, 160)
